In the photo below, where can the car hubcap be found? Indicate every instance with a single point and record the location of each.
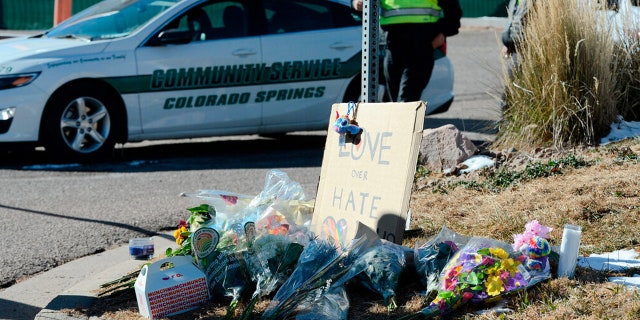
(85, 124)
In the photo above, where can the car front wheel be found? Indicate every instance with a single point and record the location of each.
(80, 124)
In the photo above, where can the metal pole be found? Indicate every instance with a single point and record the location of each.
(370, 48)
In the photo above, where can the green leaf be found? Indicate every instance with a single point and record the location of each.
(473, 279)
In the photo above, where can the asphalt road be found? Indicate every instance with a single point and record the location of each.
(53, 214)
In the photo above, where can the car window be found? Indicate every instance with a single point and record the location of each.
(285, 16)
(214, 20)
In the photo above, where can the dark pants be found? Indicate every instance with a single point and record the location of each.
(408, 61)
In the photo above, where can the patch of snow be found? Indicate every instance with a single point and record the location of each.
(476, 163)
(616, 261)
(621, 130)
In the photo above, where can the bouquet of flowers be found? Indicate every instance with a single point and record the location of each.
(322, 266)
(482, 271)
(270, 259)
(379, 270)
(200, 215)
(216, 256)
(233, 222)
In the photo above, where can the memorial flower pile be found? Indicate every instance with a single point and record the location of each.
(266, 242)
(255, 240)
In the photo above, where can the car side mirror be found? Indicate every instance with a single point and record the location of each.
(172, 36)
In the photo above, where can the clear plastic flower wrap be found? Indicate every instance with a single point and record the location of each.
(270, 259)
(484, 270)
(322, 265)
(379, 270)
(330, 305)
(431, 256)
(238, 208)
(289, 218)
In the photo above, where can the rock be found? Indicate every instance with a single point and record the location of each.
(443, 148)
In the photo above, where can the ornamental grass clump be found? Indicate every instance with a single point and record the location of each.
(563, 91)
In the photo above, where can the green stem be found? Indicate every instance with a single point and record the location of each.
(246, 313)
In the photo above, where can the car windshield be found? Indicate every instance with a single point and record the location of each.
(110, 19)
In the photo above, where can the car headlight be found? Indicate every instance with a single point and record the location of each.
(17, 80)
(7, 113)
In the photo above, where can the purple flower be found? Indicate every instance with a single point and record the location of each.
(515, 282)
(479, 297)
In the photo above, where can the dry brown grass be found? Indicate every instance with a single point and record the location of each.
(603, 198)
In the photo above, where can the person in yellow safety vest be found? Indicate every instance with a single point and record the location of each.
(412, 30)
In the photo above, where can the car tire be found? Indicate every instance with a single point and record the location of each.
(70, 133)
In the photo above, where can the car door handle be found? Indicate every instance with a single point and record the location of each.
(340, 45)
(244, 52)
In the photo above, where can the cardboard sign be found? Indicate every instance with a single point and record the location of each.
(368, 178)
(170, 286)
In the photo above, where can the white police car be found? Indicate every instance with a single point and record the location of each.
(133, 70)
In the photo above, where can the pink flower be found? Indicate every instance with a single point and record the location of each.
(522, 239)
(487, 261)
(537, 229)
(518, 241)
(450, 283)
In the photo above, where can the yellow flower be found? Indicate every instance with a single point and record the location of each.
(510, 265)
(493, 271)
(494, 286)
(499, 253)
